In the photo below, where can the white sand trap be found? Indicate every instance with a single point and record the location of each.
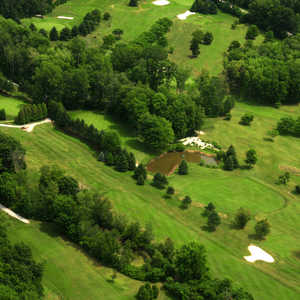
(161, 2)
(65, 18)
(14, 215)
(258, 254)
(185, 15)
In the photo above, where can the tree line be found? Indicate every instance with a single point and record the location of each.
(31, 113)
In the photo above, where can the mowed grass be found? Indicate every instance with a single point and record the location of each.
(128, 138)
(225, 247)
(133, 21)
(11, 106)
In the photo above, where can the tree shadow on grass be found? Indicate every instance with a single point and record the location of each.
(50, 229)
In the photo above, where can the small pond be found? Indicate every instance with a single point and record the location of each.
(167, 163)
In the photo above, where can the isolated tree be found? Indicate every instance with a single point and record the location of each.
(186, 202)
(170, 190)
(230, 159)
(241, 218)
(252, 32)
(159, 181)
(53, 34)
(251, 158)
(140, 170)
(106, 16)
(208, 38)
(195, 47)
(183, 168)
(208, 209)
(213, 221)
(262, 228)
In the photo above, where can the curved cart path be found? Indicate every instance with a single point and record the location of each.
(27, 127)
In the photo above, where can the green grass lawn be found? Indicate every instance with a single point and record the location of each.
(11, 106)
(226, 247)
(134, 21)
(128, 138)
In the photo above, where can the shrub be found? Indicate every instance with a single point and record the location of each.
(186, 202)
(228, 117)
(284, 179)
(246, 119)
(159, 181)
(297, 189)
(170, 190)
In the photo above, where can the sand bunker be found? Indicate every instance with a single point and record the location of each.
(161, 2)
(185, 15)
(65, 18)
(258, 254)
(14, 215)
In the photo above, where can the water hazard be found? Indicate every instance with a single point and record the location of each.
(167, 163)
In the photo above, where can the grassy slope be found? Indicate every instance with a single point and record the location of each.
(11, 106)
(134, 21)
(226, 247)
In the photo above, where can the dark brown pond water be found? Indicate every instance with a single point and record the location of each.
(167, 163)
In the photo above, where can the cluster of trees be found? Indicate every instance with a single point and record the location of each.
(211, 93)
(147, 292)
(18, 9)
(5, 85)
(2, 115)
(140, 174)
(268, 74)
(278, 16)
(88, 25)
(199, 37)
(229, 8)
(31, 112)
(230, 161)
(204, 7)
(289, 126)
(11, 154)
(21, 276)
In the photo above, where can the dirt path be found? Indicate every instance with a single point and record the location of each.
(27, 127)
(14, 215)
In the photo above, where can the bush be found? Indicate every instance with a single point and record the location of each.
(106, 16)
(246, 119)
(284, 179)
(228, 117)
(297, 189)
